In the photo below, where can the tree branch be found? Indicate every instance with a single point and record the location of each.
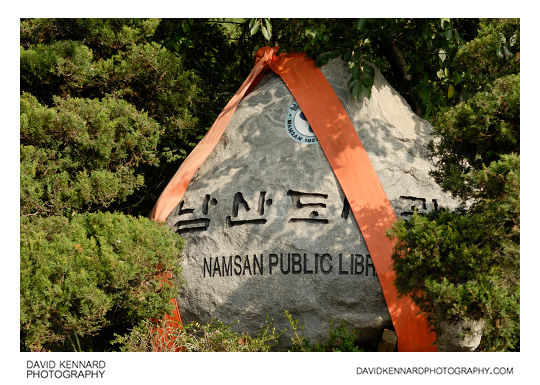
(398, 64)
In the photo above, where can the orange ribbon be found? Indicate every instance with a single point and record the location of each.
(350, 163)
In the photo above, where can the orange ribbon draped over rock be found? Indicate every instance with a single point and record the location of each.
(350, 164)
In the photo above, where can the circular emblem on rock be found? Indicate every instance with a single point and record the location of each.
(297, 126)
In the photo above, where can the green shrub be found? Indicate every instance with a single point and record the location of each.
(459, 266)
(339, 339)
(92, 276)
(464, 264)
(218, 337)
(210, 50)
(82, 154)
(124, 59)
(475, 133)
(215, 336)
(61, 67)
(154, 80)
(103, 36)
(146, 75)
(492, 54)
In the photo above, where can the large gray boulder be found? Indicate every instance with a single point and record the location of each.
(266, 225)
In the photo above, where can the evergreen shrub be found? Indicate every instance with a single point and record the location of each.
(104, 36)
(56, 68)
(454, 268)
(82, 154)
(92, 276)
(475, 133)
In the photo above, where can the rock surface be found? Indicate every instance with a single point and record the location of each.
(462, 336)
(265, 222)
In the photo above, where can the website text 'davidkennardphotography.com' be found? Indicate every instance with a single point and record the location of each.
(434, 370)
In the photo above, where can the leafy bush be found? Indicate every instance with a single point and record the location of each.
(216, 336)
(207, 49)
(92, 276)
(148, 76)
(57, 68)
(475, 133)
(154, 80)
(135, 69)
(465, 264)
(452, 249)
(492, 54)
(103, 36)
(105, 59)
(82, 154)
(339, 339)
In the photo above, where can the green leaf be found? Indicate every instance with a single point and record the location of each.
(369, 76)
(268, 27)
(513, 40)
(255, 28)
(506, 52)
(361, 23)
(448, 34)
(456, 36)
(266, 33)
(456, 78)
(450, 90)
(499, 53)
(356, 88)
(429, 108)
(185, 27)
(357, 72)
(442, 54)
(252, 23)
(366, 91)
